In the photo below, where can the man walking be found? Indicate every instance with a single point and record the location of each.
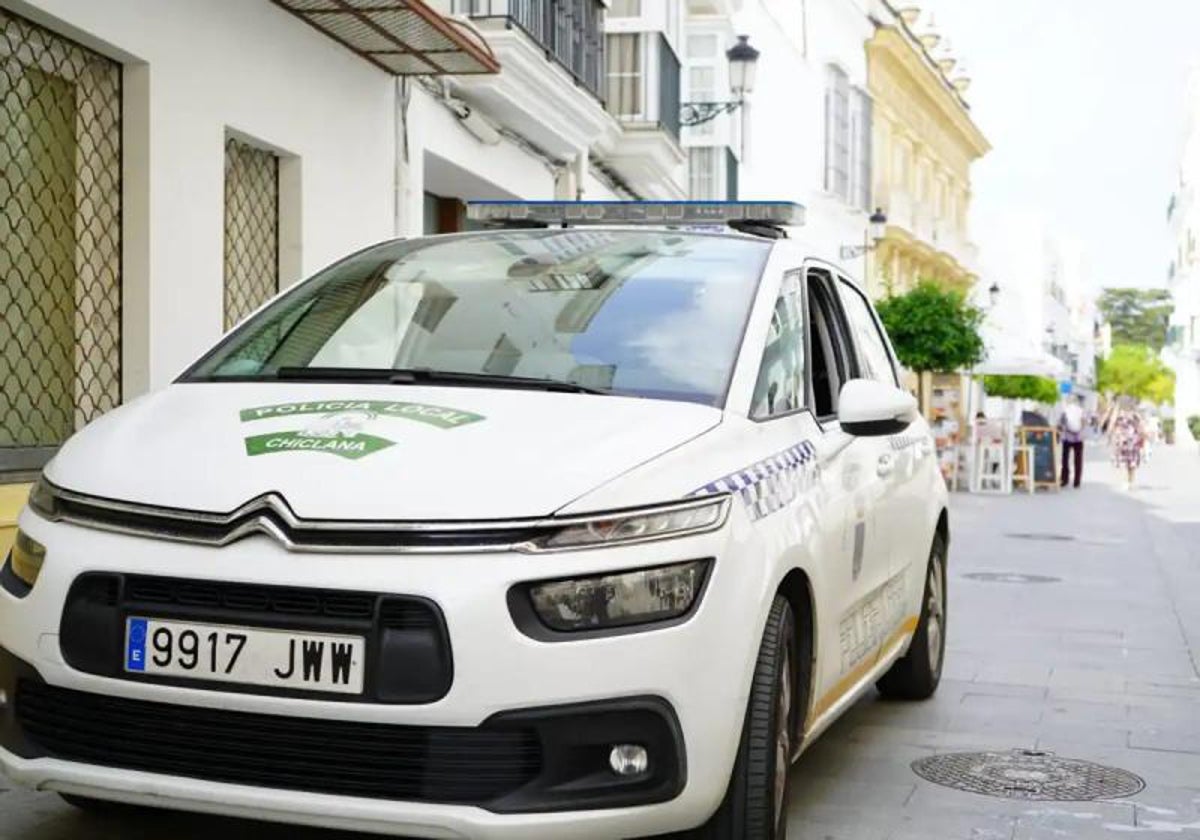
(1070, 424)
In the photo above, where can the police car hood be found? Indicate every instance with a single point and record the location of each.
(341, 451)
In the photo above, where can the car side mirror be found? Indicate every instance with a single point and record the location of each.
(867, 408)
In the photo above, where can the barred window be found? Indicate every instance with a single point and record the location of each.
(837, 132)
(60, 239)
(251, 229)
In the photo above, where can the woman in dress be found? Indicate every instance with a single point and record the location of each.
(1128, 438)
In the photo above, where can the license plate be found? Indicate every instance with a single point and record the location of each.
(245, 655)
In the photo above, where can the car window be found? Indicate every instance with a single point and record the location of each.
(875, 362)
(830, 360)
(649, 313)
(780, 385)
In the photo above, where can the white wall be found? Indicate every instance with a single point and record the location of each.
(785, 121)
(195, 71)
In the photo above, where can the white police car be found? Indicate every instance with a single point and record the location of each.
(548, 531)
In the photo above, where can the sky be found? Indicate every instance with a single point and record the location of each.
(1083, 103)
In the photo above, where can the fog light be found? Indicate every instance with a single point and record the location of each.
(628, 760)
(26, 558)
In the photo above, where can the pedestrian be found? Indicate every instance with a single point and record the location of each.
(1127, 440)
(1070, 425)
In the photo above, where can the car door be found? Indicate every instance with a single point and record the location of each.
(900, 506)
(856, 561)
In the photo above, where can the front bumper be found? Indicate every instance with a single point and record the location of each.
(698, 671)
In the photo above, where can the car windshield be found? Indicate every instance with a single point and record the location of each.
(650, 313)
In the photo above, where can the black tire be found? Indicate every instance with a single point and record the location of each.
(917, 674)
(755, 804)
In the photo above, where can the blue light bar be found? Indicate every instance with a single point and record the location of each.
(774, 213)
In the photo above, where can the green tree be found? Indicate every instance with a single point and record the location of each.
(1038, 388)
(933, 330)
(1137, 316)
(1134, 370)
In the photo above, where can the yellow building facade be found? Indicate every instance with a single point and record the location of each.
(924, 143)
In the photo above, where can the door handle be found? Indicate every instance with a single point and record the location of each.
(886, 464)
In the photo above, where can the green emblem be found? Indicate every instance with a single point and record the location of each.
(352, 446)
(338, 429)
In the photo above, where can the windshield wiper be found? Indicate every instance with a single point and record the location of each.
(429, 376)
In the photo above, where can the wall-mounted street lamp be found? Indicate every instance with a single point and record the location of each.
(876, 231)
(993, 295)
(743, 60)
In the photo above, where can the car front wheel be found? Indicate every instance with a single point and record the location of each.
(755, 805)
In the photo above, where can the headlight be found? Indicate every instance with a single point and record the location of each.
(43, 499)
(620, 599)
(693, 517)
(27, 557)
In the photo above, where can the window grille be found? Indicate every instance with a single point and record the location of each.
(60, 239)
(251, 229)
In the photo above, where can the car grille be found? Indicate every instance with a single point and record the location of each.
(274, 600)
(420, 764)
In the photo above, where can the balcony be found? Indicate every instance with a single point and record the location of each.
(643, 93)
(551, 82)
(938, 236)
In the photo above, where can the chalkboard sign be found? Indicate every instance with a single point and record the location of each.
(1042, 440)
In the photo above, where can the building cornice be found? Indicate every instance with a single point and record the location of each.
(895, 69)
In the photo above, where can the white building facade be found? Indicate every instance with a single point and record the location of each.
(808, 124)
(1183, 339)
(1045, 302)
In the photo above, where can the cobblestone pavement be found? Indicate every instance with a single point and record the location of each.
(1100, 664)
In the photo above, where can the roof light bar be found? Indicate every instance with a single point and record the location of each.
(774, 213)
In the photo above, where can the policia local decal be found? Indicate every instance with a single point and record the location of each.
(336, 426)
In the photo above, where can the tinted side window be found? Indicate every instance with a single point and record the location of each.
(832, 362)
(875, 362)
(780, 385)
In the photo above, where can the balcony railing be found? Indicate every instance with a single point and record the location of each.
(570, 31)
(644, 81)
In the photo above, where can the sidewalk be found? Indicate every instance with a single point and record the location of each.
(1100, 664)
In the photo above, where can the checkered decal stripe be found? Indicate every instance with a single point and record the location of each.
(768, 485)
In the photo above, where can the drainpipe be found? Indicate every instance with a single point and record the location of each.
(403, 93)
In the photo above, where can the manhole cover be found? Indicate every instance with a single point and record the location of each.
(1028, 774)
(1010, 577)
(1032, 535)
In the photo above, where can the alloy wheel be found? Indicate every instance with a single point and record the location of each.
(935, 613)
